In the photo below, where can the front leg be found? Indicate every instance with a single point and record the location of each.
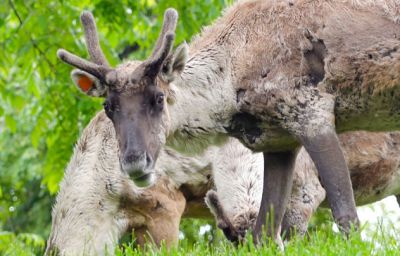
(325, 151)
(278, 179)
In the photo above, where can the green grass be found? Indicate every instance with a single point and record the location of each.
(317, 242)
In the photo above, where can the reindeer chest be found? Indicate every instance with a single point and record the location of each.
(270, 120)
(259, 135)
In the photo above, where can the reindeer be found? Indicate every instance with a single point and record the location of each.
(275, 74)
(97, 203)
(374, 164)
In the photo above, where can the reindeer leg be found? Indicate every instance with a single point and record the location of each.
(398, 199)
(325, 151)
(278, 178)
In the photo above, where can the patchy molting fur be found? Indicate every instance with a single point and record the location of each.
(374, 164)
(296, 63)
(282, 83)
(302, 70)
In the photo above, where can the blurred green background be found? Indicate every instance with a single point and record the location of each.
(42, 113)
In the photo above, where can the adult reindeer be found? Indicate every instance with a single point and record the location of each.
(275, 74)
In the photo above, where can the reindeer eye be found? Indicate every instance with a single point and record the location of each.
(106, 106)
(160, 99)
(108, 109)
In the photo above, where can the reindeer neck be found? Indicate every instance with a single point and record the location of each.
(204, 102)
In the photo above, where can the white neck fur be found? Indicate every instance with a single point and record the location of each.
(204, 101)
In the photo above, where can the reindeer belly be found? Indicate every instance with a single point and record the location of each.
(377, 181)
(374, 183)
(374, 164)
(367, 87)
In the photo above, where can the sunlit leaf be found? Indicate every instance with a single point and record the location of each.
(17, 102)
(11, 123)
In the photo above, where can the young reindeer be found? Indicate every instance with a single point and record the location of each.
(275, 74)
(236, 199)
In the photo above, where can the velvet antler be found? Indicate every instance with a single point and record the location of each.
(98, 66)
(92, 39)
(164, 42)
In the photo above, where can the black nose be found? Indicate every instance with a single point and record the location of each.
(135, 156)
(149, 160)
(139, 157)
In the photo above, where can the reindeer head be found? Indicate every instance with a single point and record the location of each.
(234, 228)
(135, 94)
(222, 219)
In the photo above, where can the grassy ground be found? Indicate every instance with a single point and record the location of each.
(318, 242)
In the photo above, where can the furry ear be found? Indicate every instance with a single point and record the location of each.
(216, 209)
(222, 219)
(213, 203)
(88, 84)
(175, 63)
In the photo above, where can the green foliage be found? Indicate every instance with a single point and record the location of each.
(21, 244)
(41, 113)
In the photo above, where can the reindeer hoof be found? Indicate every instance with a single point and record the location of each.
(347, 224)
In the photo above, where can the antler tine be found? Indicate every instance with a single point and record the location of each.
(164, 43)
(98, 71)
(169, 25)
(92, 39)
(155, 63)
